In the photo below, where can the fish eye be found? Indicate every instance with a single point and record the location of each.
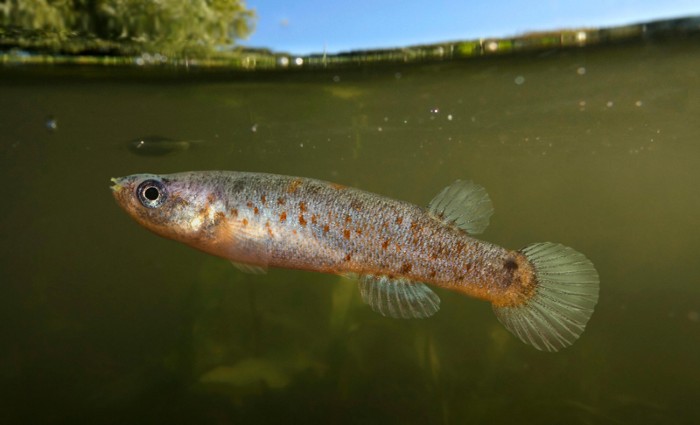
(151, 193)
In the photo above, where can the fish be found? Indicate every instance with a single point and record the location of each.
(544, 293)
(159, 145)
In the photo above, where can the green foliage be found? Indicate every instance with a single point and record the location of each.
(170, 27)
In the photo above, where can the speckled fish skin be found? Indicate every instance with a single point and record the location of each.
(302, 223)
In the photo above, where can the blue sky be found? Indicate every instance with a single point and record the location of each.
(310, 26)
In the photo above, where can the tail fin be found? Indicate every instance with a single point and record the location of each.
(564, 299)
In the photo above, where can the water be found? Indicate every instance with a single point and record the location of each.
(594, 148)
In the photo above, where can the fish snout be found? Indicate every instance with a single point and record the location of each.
(118, 184)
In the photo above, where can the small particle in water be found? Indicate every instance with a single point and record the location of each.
(609, 104)
(301, 145)
(449, 117)
(299, 61)
(638, 103)
(492, 46)
(434, 111)
(581, 36)
(380, 129)
(386, 119)
(51, 123)
(397, 75)
(581, 70)
(519, 80)
(283, 61)
(254, 128)
(336, 78)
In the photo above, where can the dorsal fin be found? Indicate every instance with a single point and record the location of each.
(398, 298)
(465, 204)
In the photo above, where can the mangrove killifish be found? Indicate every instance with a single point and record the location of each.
(544, 293)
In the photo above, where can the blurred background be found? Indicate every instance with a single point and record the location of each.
(315, 26)
(584, 133)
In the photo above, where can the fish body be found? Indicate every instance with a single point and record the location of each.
(395, 247)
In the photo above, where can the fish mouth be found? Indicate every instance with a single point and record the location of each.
(117, 187)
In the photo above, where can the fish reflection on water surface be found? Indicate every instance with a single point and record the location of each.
(544, 293)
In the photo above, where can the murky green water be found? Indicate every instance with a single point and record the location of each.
(103, 321)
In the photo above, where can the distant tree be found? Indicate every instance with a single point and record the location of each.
(173, 27)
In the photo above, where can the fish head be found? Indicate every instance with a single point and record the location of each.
(172, 206)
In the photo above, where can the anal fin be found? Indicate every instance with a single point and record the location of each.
(398, 298)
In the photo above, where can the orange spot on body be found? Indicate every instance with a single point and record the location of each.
(313, 218)
(234, 212)
(280, 201)
(406, 268)
(348, 257)
(294, 186)
(358, 231)
(399, 220)
(302, 220)
(337, 186)
(263, 199)
(256, 211)
(346, 234)
(326, 229)
(385, 244)
(245, 222)
(283, 217)
(302, 206)
(249, 204)
(348, 219)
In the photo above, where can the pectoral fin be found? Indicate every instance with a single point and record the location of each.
(398, 298)
(249, 268)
